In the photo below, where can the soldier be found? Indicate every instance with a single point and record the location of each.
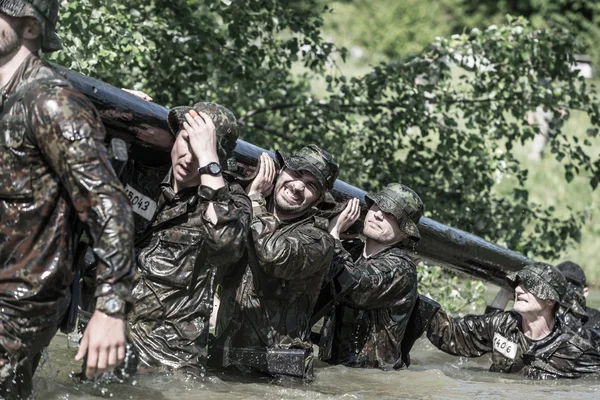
(291, 252)
(55, 175)
(198, 232)
(367, 328)
(530, 340)
(575, 312)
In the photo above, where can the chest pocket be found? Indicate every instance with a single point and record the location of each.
(15, 169)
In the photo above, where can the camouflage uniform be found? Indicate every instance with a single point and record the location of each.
(574, 311)
(183, 256)
(293, 258)
(367, 328)
(54, 172)
(561, 354)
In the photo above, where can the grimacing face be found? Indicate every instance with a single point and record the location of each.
(184, 162)
(296, 191)
(527, 303)
(11, 34)
(382, 227)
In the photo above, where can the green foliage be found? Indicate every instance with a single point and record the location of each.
(398, 29)
(582, 17)
(456, 296)
(391, 27)
(444, 121)
(239, 52)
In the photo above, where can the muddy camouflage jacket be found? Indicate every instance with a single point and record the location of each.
(562, 354)
(367, 328)
(576, 314)
(55, 171)
(293, 258)
(182, 256)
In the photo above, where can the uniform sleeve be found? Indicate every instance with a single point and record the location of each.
(384, 282)
(226, 238)
(470, 336)
(341, 259)
(574, 358)
(291, 255)
(70, 136)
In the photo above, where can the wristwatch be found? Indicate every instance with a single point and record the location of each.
(111, 305)
(212, 168)
(258, 198)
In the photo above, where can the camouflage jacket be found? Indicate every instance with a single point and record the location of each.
(367, 328)
(293, 257)
(55, 171)
(181, 257)
(562, 354)
(576, 314)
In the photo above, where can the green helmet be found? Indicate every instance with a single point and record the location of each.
(543, 280)
(403, 203)
(45, 11)
(225, 124)
(315, 160)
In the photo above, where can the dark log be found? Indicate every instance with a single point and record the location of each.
(144, 126)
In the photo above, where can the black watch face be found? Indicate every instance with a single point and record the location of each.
(214, 169)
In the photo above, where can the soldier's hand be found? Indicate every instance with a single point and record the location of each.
(104, 343)
(340, 223)
(265, 177)
(138, 93)
(201, 133)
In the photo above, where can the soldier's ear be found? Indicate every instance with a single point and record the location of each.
(31, 29)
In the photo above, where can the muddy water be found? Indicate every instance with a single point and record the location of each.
(433, 375)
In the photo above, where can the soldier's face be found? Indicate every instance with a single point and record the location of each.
(295, 192)
(184, 163)
(11, 34)
(382, 227)
(527, 304)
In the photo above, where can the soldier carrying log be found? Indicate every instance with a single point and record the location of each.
(288, 255)
(530, 340)
(366, 329)
(196, 236)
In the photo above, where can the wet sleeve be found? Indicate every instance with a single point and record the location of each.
(341, 259)
(70, 135)
(382, 283)
(575, 358)
(291, 254)
(470, 336)
(588, 362)
(226, 238)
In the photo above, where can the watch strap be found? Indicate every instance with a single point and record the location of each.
(206, 170)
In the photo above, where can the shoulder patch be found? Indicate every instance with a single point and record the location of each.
(75, 129)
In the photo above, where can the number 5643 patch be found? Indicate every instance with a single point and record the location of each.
(505, 346)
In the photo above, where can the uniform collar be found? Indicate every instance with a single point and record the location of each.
(380, 252)
(166, 188)
(20, 77)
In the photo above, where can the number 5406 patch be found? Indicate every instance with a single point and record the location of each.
(142, 205)
(505, 346)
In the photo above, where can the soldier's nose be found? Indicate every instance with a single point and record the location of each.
(298, 187)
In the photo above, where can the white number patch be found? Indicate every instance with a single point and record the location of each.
(505, 346)
(142, 205)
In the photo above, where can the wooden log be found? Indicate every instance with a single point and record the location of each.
(144, 126)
